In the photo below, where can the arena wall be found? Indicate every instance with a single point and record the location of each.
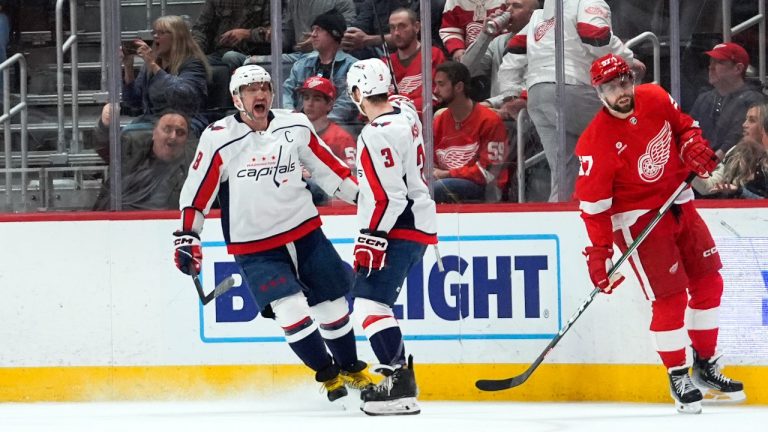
(94, 309)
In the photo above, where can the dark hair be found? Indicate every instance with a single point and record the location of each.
(377, 98)
(456, 73)
(411, 13)
(171, 111)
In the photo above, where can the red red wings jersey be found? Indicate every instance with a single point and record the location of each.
(341, 143)
(394, 197)
(631, 166)
(257, 177)
(474, 149)
(463, 21)
(409, 79)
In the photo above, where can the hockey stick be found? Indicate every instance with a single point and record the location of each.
(503, 384)
(384, 46)
(220, 289)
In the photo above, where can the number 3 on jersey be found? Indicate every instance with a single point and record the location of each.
(388, 160)
(585, 165)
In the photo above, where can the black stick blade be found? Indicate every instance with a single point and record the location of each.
(503, 384)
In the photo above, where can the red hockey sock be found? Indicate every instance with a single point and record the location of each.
(668, 328)
(703, 313)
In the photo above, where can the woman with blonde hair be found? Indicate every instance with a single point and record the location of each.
(174, 75)
(742, 172)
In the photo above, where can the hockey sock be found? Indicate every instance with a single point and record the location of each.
(381, 328)
(703, 313)
(336, 330)
(668, 328)
(301, 332)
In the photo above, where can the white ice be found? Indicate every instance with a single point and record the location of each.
(300, 414)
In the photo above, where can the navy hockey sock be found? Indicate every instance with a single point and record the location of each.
(388, 346)
(311, 350)
(344, 350)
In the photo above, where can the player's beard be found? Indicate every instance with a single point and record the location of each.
(626, 108)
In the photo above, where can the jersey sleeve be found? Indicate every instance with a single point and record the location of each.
(684, 127)
(594, 188)
(452, 26)
(593, 25)
(326, 168)
(492, 151)
(203, 180)
(514, 64)
(381, 160)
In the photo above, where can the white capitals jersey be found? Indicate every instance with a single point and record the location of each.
(394, 197)
(257, 176)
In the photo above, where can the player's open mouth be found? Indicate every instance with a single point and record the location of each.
(259, 108)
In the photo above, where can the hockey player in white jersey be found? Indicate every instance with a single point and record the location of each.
(252, 162)
(397, 221)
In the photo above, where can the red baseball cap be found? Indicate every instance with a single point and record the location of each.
(321, 85)
(729, 51)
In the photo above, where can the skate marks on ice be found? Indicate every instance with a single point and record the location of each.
(305, 413)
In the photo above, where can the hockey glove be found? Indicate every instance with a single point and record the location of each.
(698, 157)
(370, 250)
(599, 264)
(187, 251)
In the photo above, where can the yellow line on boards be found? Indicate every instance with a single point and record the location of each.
(551, 382)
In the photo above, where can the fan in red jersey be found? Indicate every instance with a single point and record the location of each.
(633, 155)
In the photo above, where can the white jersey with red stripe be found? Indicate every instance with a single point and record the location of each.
(530, 57)
(257, 177)
(394, 197)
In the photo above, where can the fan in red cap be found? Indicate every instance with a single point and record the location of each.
(612, 75)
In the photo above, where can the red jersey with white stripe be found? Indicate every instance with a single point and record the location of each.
(394, 197)
(474, 149)
(409, 79)
(631, 166)
(340, 142)
(463, 21)
(257, 178)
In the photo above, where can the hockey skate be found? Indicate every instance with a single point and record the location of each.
(716, 388)
(687, 397)
(395, 395)
(332, 382)
(357, 376)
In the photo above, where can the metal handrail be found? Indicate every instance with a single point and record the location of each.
(9, 112)
(61, 47)
(526, 163)
(656, 51)
(758, 19)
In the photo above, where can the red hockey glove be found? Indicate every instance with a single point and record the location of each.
(187, 251)
(370, 250)
(698, 157)
(599, 264)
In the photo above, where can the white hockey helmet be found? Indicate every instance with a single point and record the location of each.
(370, 76)
(245, 75)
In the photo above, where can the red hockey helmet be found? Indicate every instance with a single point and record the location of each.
(607, 68)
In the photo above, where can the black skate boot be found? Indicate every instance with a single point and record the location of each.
(356, 376)
(687, 397)
(717, 388)
(395, 395)
(332, 382)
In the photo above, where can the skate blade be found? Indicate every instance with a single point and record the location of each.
(403, 406)
(715, 397)
(689, 408)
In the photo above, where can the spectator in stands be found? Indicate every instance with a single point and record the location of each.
(530, 64)
(327, 61)
(721, 110)
(470, 142)
(153, 167)
(404, 28)
(742, 173)
(463, 22)
(228, 31)
(298, 18)
(483, 57)
(318, 95)
(174, 74)
(362, 39)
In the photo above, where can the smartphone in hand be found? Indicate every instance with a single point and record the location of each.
(129, 47)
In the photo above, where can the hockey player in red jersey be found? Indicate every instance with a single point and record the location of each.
(633, 155)
(252, 161)
(397, 220)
